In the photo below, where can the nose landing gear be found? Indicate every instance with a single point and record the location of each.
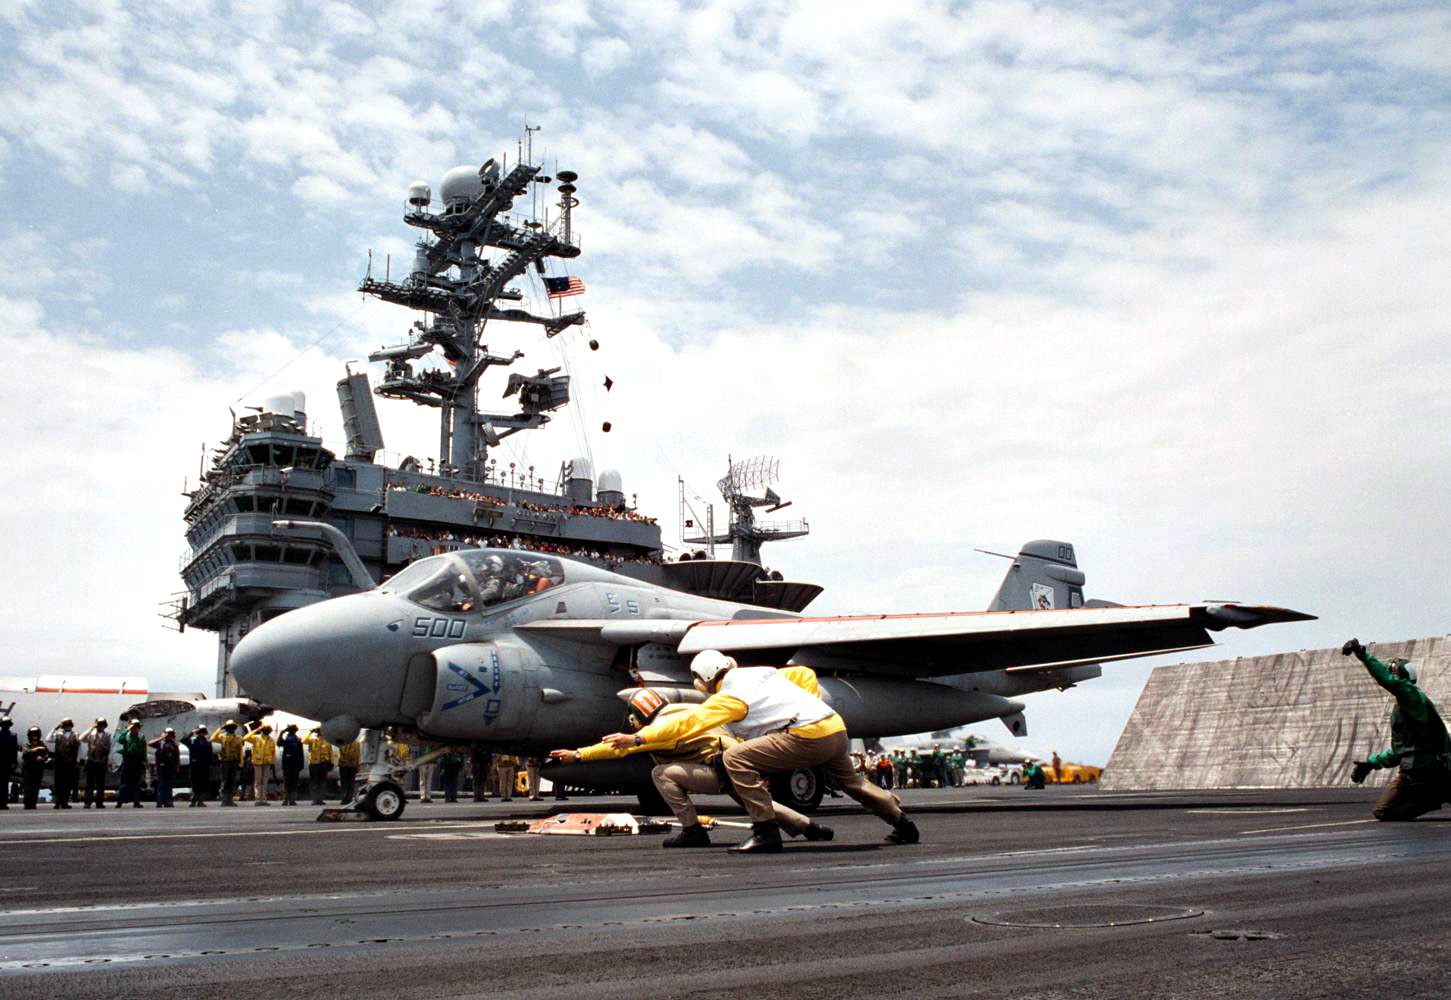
(384, 801)
(381, 796)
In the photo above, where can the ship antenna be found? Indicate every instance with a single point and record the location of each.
(529, 131)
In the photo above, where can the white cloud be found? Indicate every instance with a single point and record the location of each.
(604, 56)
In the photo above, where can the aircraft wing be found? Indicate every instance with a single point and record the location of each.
(961, 642)
(948, 643)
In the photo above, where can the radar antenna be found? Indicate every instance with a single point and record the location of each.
(746, 486)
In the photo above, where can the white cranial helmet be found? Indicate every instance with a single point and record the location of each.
(709, 664)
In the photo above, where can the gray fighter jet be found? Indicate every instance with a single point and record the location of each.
(522, 651)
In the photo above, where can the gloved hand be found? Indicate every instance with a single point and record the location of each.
(1359, 771)
(1352, 648)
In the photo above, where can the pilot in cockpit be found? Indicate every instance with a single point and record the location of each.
(491, 581)
(514, 585)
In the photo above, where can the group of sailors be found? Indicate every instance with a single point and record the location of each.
(234, 763)
(937, 768)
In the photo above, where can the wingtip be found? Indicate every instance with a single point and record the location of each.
(1231, 615)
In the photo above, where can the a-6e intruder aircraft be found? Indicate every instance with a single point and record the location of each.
(522, 652)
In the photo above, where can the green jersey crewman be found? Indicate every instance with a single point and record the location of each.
(1419, 743)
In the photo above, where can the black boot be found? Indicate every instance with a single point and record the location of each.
(693, 835)
(816, 831)
(904, 831)
(765, 839)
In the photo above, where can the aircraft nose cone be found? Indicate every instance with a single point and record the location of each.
(324, 660)
(260, 662)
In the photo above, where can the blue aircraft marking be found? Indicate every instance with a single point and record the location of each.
(478, 688)
(475, 687)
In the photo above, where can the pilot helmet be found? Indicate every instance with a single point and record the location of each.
(643, 706)
(1405, 668)
(708, 666)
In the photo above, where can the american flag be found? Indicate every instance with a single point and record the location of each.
(558, 288)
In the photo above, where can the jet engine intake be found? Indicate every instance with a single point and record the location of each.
(503, 691)
(483, 690)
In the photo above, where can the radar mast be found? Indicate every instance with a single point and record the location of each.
(462, 268)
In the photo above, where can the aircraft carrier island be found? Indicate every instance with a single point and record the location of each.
(242, 567)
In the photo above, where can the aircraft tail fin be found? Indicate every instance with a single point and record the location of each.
(1044, 576)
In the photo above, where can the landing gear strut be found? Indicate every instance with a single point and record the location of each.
(380, 796)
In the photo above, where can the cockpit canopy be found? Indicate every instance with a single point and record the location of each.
(471, 579)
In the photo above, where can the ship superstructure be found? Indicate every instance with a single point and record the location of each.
(241, 570)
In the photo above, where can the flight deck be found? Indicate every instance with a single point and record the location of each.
(1067, 892)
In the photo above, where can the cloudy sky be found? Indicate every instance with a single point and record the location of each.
(1167, 280)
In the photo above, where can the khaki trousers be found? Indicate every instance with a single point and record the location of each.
(260, 774)
(505, 775)
(747, 762)
(677, 779)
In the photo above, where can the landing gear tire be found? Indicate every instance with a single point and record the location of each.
(800, 789)
(384, 801)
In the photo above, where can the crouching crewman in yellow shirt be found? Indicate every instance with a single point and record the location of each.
(783, 725)
(689, 764)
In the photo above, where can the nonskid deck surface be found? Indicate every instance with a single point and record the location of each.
(1066, 892)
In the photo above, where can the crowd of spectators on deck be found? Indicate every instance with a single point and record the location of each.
(618, 512)
(492, 540)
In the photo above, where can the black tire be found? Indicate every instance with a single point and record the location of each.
(385, 801)
(800, 789)
(997, 780)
